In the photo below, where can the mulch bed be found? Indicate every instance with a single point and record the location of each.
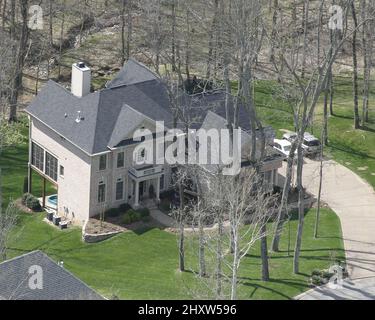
(114, 224)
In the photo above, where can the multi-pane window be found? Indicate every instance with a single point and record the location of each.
(101, 192)
(37, 156)
(103, 162)
(119, 190)
(120, 160)
(51, 166)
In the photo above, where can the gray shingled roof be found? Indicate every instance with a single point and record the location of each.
(132, 73)
(109, 115)
(58, 283)
(58, 108)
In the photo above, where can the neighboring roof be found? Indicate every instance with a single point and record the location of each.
(58, 283)
(132, 73)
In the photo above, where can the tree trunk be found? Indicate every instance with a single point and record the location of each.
(20, 61)
(123, 53)
(4, 13)
(331, 93)
(211, 39)
(274, 27)
(301, 207)
(264, 253)
(202, 261)
(173, 9)
(51, 24)
(284, 200)
(12, 27)
(130, 30)
(367, 41)
(187, 46)
(320, 188)
(233, 295)
(325, 117)
(306, 9)
(219, 257)
(181, 246)
(61, 40)
(355, 68)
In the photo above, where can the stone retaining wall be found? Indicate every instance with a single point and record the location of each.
(97, 237)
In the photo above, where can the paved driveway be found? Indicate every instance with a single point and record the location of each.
(354, 202)
(361, 289)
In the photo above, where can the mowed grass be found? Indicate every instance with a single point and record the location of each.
(143, 264)
(352, 148)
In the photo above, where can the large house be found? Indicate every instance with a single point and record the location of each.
(82, 141)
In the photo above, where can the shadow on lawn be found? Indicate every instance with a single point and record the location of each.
(299, 285)
(350, 150)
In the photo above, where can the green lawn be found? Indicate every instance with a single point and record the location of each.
(352, 148)
(143, 264)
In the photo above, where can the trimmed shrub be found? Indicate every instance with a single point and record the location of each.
(124, 208)
(113, 212)
(25, 198)
(136, 216)
(316, 280)
(316, 272)
(31, 202)
(126, 219)
(144, 212)
(131, 216)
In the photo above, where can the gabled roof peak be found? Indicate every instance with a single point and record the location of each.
(133, 72)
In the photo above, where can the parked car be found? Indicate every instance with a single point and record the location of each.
(310, 144)
(282, 146)
(290, 136)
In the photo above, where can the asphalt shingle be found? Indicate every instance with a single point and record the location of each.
(57, 282)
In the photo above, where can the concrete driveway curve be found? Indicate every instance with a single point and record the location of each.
(353, 200)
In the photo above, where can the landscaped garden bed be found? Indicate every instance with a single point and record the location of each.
(28, 203)
(117, 220)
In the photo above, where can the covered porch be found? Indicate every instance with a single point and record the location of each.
(48, 188)
(144, 183)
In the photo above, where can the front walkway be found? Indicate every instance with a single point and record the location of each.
(361, 289)
(353, 200)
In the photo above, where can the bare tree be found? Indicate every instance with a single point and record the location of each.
(310, 92)
(355, 67)
(16, 85)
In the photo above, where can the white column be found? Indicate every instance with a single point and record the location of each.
(276, 177)
(136, 198)
(158, 189)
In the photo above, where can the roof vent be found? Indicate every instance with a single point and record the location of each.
(79, 117)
